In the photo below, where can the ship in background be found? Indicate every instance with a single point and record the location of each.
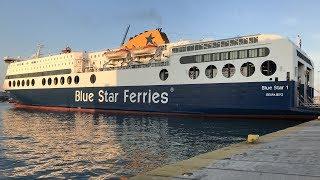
(259, 75)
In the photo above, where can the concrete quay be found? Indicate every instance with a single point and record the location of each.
(292, 153)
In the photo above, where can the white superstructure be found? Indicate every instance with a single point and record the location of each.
(280, 50)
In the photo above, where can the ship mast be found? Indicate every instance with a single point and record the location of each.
(38, 53)
(125, 35)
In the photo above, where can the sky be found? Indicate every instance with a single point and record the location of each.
(92, 25)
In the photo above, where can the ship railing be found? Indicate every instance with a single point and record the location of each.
(309, 103)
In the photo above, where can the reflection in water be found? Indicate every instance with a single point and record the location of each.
(46, 144)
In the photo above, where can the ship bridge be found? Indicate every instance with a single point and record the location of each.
(235, 41)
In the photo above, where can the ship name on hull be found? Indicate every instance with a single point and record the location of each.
(127, 96)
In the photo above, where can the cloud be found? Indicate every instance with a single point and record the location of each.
(290, 21)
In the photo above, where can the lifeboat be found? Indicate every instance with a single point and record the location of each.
(119, 54)
(145, 51)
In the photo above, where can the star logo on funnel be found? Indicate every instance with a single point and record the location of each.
(149, 39)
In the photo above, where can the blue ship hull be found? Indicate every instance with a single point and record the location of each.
(243, 99)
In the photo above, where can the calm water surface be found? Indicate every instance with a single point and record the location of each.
(81, 145)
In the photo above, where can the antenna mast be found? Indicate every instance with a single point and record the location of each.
(125, 35)
(38, 53)
(299, 40)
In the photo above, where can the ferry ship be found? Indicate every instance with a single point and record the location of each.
(260, 75)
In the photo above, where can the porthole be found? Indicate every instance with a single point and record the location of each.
(194, 72)
(62, 80)
(76, 79)
(164, 74)
(69, 80)
(93, 78)
(211, 71)
(247, 69)
(22, 83)
(49, 81)
(228, 70)
(268, 68)
(32, 82)
(18, 83)
(43, 81)
(14, 83)
(9, 83)
(28, 82)
(55, 81)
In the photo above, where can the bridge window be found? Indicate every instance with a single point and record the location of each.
(253, 53)
(243, 54)
(194, 72)
(32, 82)
(164, 74)
(228, 70)
(18, 83)
(224, 55)
(268, 68)
(211, 71)
(234, 55)
(198, 58)
(43, 81)
(28, 82)
(76, 79)
(62, 80)
(207, 57)
(9, 83)
(247, 69)
(215, 57)
(22, 83)
(263, 52)
(14, 83)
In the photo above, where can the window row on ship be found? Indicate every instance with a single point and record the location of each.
(226, 55)
(247, 69)
(34, 67)
(42, 60)
(216, 44)
(50, 81)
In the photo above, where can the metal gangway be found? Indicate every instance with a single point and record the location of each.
(310, 103)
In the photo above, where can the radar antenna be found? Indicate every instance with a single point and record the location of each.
(125, 35)
(38, 53)
(299, 41)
